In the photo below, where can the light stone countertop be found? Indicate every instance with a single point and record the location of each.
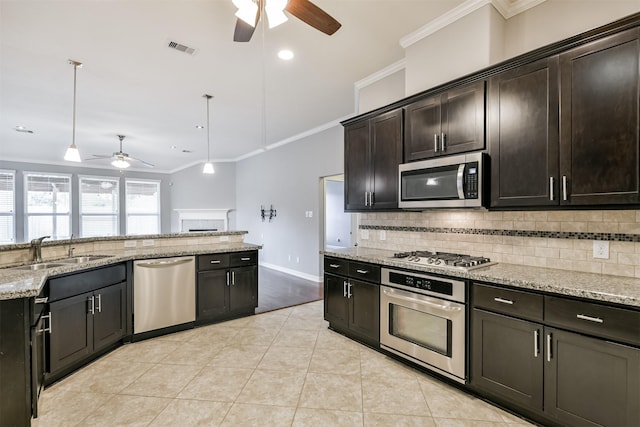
(597, 287)
(23, 284)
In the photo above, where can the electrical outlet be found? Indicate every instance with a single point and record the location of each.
(224, 238)
(600, 249)
(297, 260)
(148, 242)
(310, 214)
(382, 235)
(289, 257)
(364, 234)
(130, 243)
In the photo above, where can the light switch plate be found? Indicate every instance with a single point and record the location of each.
(364, 234)
(601, 249)
(130, 243)
(382, 235)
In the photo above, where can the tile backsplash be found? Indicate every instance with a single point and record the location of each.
(554, 239)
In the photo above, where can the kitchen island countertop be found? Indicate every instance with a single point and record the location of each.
(597, 287)
(23, 284)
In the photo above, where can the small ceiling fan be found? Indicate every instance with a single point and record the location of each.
(120, 158)
(250, 11)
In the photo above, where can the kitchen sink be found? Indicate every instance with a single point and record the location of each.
(81, 259)
(40, 266)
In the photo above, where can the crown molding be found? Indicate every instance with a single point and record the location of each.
(506, 8)
(381, 74)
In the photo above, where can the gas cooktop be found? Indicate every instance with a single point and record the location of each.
(444, 260)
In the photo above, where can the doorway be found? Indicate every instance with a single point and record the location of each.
(336, 225)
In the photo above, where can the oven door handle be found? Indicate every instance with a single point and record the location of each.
(419, 301)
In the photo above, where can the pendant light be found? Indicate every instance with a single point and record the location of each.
(72, 154)
(208, 167)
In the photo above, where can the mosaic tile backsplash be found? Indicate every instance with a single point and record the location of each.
(554, 239)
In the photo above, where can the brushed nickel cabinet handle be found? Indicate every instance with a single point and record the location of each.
(349, 290)
(49, 329)
(362, 271)
(334, 265)
(443, 143)
(233, 278)
(99, 303)
(42, 300)
(589, 318)
(228, 283)
(435, 142)
(215, 261)
(344, 288)
(245, 259)
(549, 347)
(536, 343)
(551, 185)
(503, 301)
(564, 187)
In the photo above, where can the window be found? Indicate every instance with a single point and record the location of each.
(142, 206)
(7, 209)
(99, 202)
(47, 205)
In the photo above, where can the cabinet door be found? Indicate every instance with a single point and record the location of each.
(463, 119)
(523, 135)
(591, 382)
(599, 146)
(507, 360)
(422, 129)
(336, 306)
(109, 320)
(386, 155)
(71, 337)
(357, 170)
(243, 292)
(213, 296)
(37, 363)
(364, 309)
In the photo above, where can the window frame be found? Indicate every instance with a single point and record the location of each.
(158, 213)
(27, 215)
(114, 179)
(11, 213)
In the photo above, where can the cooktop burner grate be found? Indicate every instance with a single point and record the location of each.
(445, 259)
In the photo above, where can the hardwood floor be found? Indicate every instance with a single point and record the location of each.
(278, 290)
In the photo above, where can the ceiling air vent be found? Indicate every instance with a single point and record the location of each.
(182, 48)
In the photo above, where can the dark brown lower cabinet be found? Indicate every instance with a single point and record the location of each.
(336, 305)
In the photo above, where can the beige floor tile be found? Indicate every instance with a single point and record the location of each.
(273, 388)
(333, 340)
(308, 311)
(105, 376)
(239, 356)
(126, 410)
(191, 353)
(328, 391)
(255, 336)
(295, 338)
(306, 417)
(306, 324)
(149, 351)
(182, 336)
(242, 414)
(63, 408)
(393, 395)
(396, 420)
(374, 364)
(336, 361)
(286, 359)
(216, 383)
(457, 422)
(192, 413)
(216, 336)
(267, 320)
(162, 381)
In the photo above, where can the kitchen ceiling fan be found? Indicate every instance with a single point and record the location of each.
(250, 11)
(120, 158)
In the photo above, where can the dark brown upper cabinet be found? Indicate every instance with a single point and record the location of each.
(448, 123)
(599, 121)
(523, 135)
(373, 151)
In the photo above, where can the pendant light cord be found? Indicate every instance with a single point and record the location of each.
(208, 127)
(73, 121)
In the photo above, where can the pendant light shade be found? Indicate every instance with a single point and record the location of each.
(120, 164)
(72, 154)
(208, 167)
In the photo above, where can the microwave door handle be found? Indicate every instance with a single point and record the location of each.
(460, 181)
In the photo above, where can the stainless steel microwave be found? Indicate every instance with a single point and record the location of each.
(444, 182)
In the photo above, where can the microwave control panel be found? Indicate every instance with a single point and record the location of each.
(471, 180)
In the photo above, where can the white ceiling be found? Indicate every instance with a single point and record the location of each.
(133, 84)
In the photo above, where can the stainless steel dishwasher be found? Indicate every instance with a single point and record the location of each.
(164, 293)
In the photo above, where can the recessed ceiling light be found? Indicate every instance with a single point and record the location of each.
(23, 129)
(285, 54)
(199, 127)
(173, 147)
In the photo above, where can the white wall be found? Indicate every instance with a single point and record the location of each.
(288, 177)
(381, 92)
(191, 189)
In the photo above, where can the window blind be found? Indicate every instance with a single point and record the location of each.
(142, 206)
(99, 206)
(7, 208)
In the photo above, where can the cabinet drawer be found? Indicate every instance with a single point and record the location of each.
(336, 266)
(213, 261)
(520, 304)
(363, 271)
(238, 259)
(86, 281)
(596, 319)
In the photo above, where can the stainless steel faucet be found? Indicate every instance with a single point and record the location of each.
(36, 249)
(70, 254)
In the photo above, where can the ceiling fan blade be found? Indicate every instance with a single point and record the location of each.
(99, 156)
(244, 31)
(311, 14)
(147, 164)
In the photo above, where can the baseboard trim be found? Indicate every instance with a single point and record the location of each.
(296, 273)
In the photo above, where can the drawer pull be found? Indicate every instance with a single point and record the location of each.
(536, 343)
(549, 342)
(362, 271)
(215, 261)
(344, 289)
(42, 300)
(334, 265)
(245, 259)
(503, 301)
(589, 318)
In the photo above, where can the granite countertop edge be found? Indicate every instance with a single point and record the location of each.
(597, 287)
(15, 284)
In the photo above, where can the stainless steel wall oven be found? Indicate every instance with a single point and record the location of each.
(423, 319)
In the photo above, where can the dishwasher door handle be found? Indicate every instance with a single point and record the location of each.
(161, 264)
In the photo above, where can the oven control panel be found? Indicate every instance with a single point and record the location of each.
(430, 284)
(443, 287)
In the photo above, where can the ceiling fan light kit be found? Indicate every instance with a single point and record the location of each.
(72, 154)
(208, 166)
(120, 163)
